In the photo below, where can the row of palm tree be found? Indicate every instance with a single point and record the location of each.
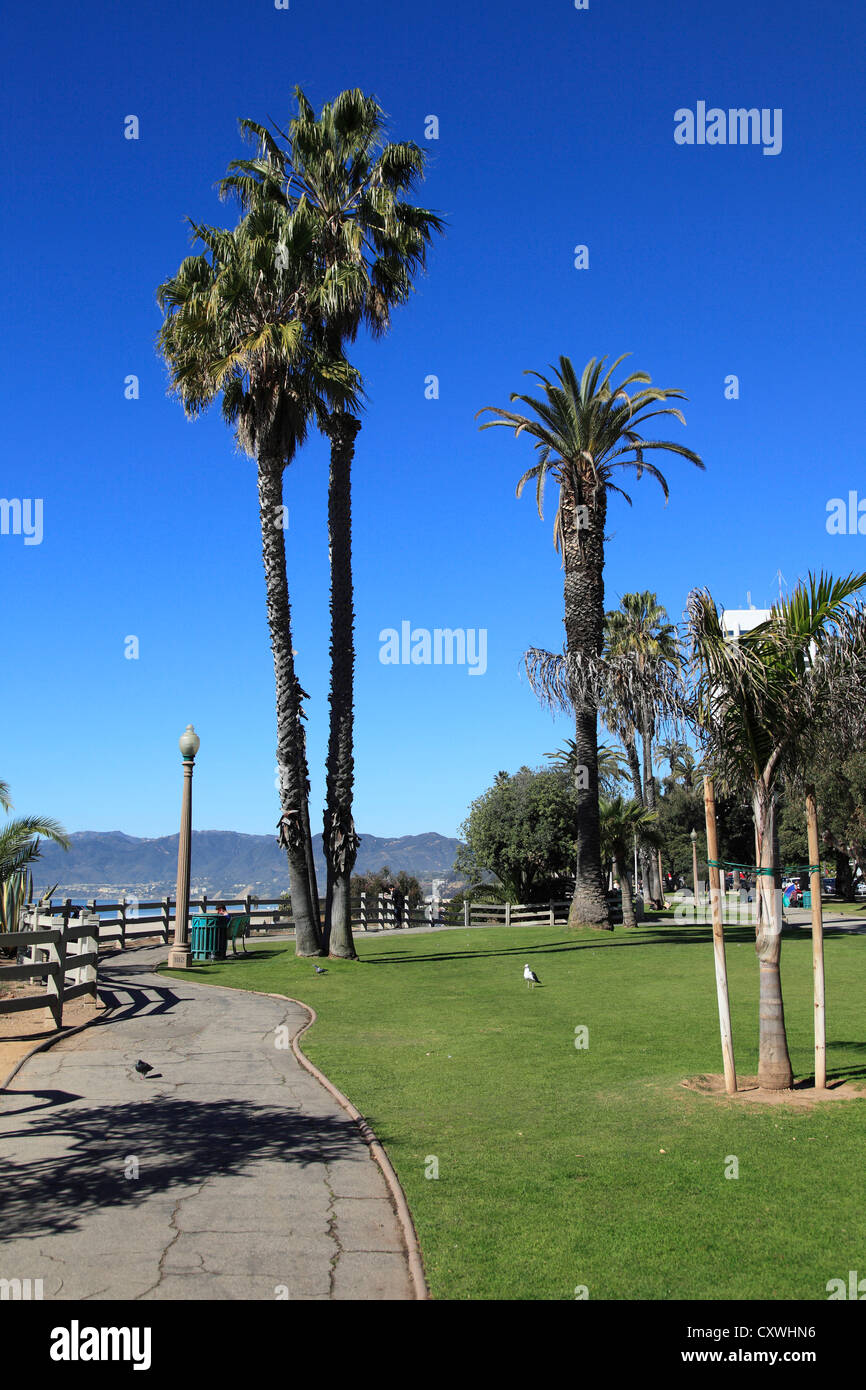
(756, 706)
(760, 706)
(327, 243)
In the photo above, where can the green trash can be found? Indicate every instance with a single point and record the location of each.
(208, 937)
(807, 899)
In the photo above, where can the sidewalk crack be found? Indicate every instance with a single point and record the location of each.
(161, 1271)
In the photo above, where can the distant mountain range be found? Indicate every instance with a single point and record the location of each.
(101, 863)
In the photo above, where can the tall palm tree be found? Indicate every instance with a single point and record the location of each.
(233, 328)
(622, 823)
(368, 245)
(685, 767)
(586, 430)
(757, 704)
(640, 628)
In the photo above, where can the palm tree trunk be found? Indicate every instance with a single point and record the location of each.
(633, 766)
(774, 1064)
(583, 557)
(340, 839)
(308, 833)
(589, 906)
(289, 751)
(653, 881)
(630, 745)
(628, 917)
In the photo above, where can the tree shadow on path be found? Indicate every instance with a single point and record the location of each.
(177, 1143)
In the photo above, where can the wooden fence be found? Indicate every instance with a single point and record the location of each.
(385, 914)
(124, 921)
(54, 951)
(515, 914)
(129, 919)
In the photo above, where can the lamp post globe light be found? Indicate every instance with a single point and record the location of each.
(694, 840)
(178, 957)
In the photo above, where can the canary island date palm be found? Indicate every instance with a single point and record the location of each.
(758, 702)
(369, 243)
(639, 627)
(586, 431)
(624, 824)
(234, 329)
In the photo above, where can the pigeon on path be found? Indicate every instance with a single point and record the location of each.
(143, 1067)
(530, 976)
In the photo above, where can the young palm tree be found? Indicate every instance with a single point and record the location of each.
(233, 328)
(611, 770)
(585, 430)
(368, 245)
(639, 628)
(757, 703)
(19, 838)
(622, 822)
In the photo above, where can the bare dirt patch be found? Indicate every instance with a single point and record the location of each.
(803, 1094)
(21, 1032)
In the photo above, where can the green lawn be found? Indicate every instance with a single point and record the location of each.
(561, 1167)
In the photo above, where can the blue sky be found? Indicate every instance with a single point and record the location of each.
(556, 129)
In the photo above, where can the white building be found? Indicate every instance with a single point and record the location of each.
(738, 620)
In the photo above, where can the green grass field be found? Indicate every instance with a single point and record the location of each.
(561, 1167)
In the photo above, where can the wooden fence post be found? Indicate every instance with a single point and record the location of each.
(363, 911)
(552, 913)
(719, 940)
(56, 979)
(467, 913)
(90, 973)
(123, 924)
(508, 914)
(166, 918)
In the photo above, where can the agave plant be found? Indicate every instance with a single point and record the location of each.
(16, 892)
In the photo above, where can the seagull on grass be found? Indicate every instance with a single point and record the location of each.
(530, 976)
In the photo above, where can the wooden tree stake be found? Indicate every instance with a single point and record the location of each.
(719, 940)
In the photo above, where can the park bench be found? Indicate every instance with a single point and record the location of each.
(238, 927)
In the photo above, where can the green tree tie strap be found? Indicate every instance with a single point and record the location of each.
(755, 869)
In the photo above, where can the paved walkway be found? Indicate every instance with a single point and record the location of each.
(228, 1172)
